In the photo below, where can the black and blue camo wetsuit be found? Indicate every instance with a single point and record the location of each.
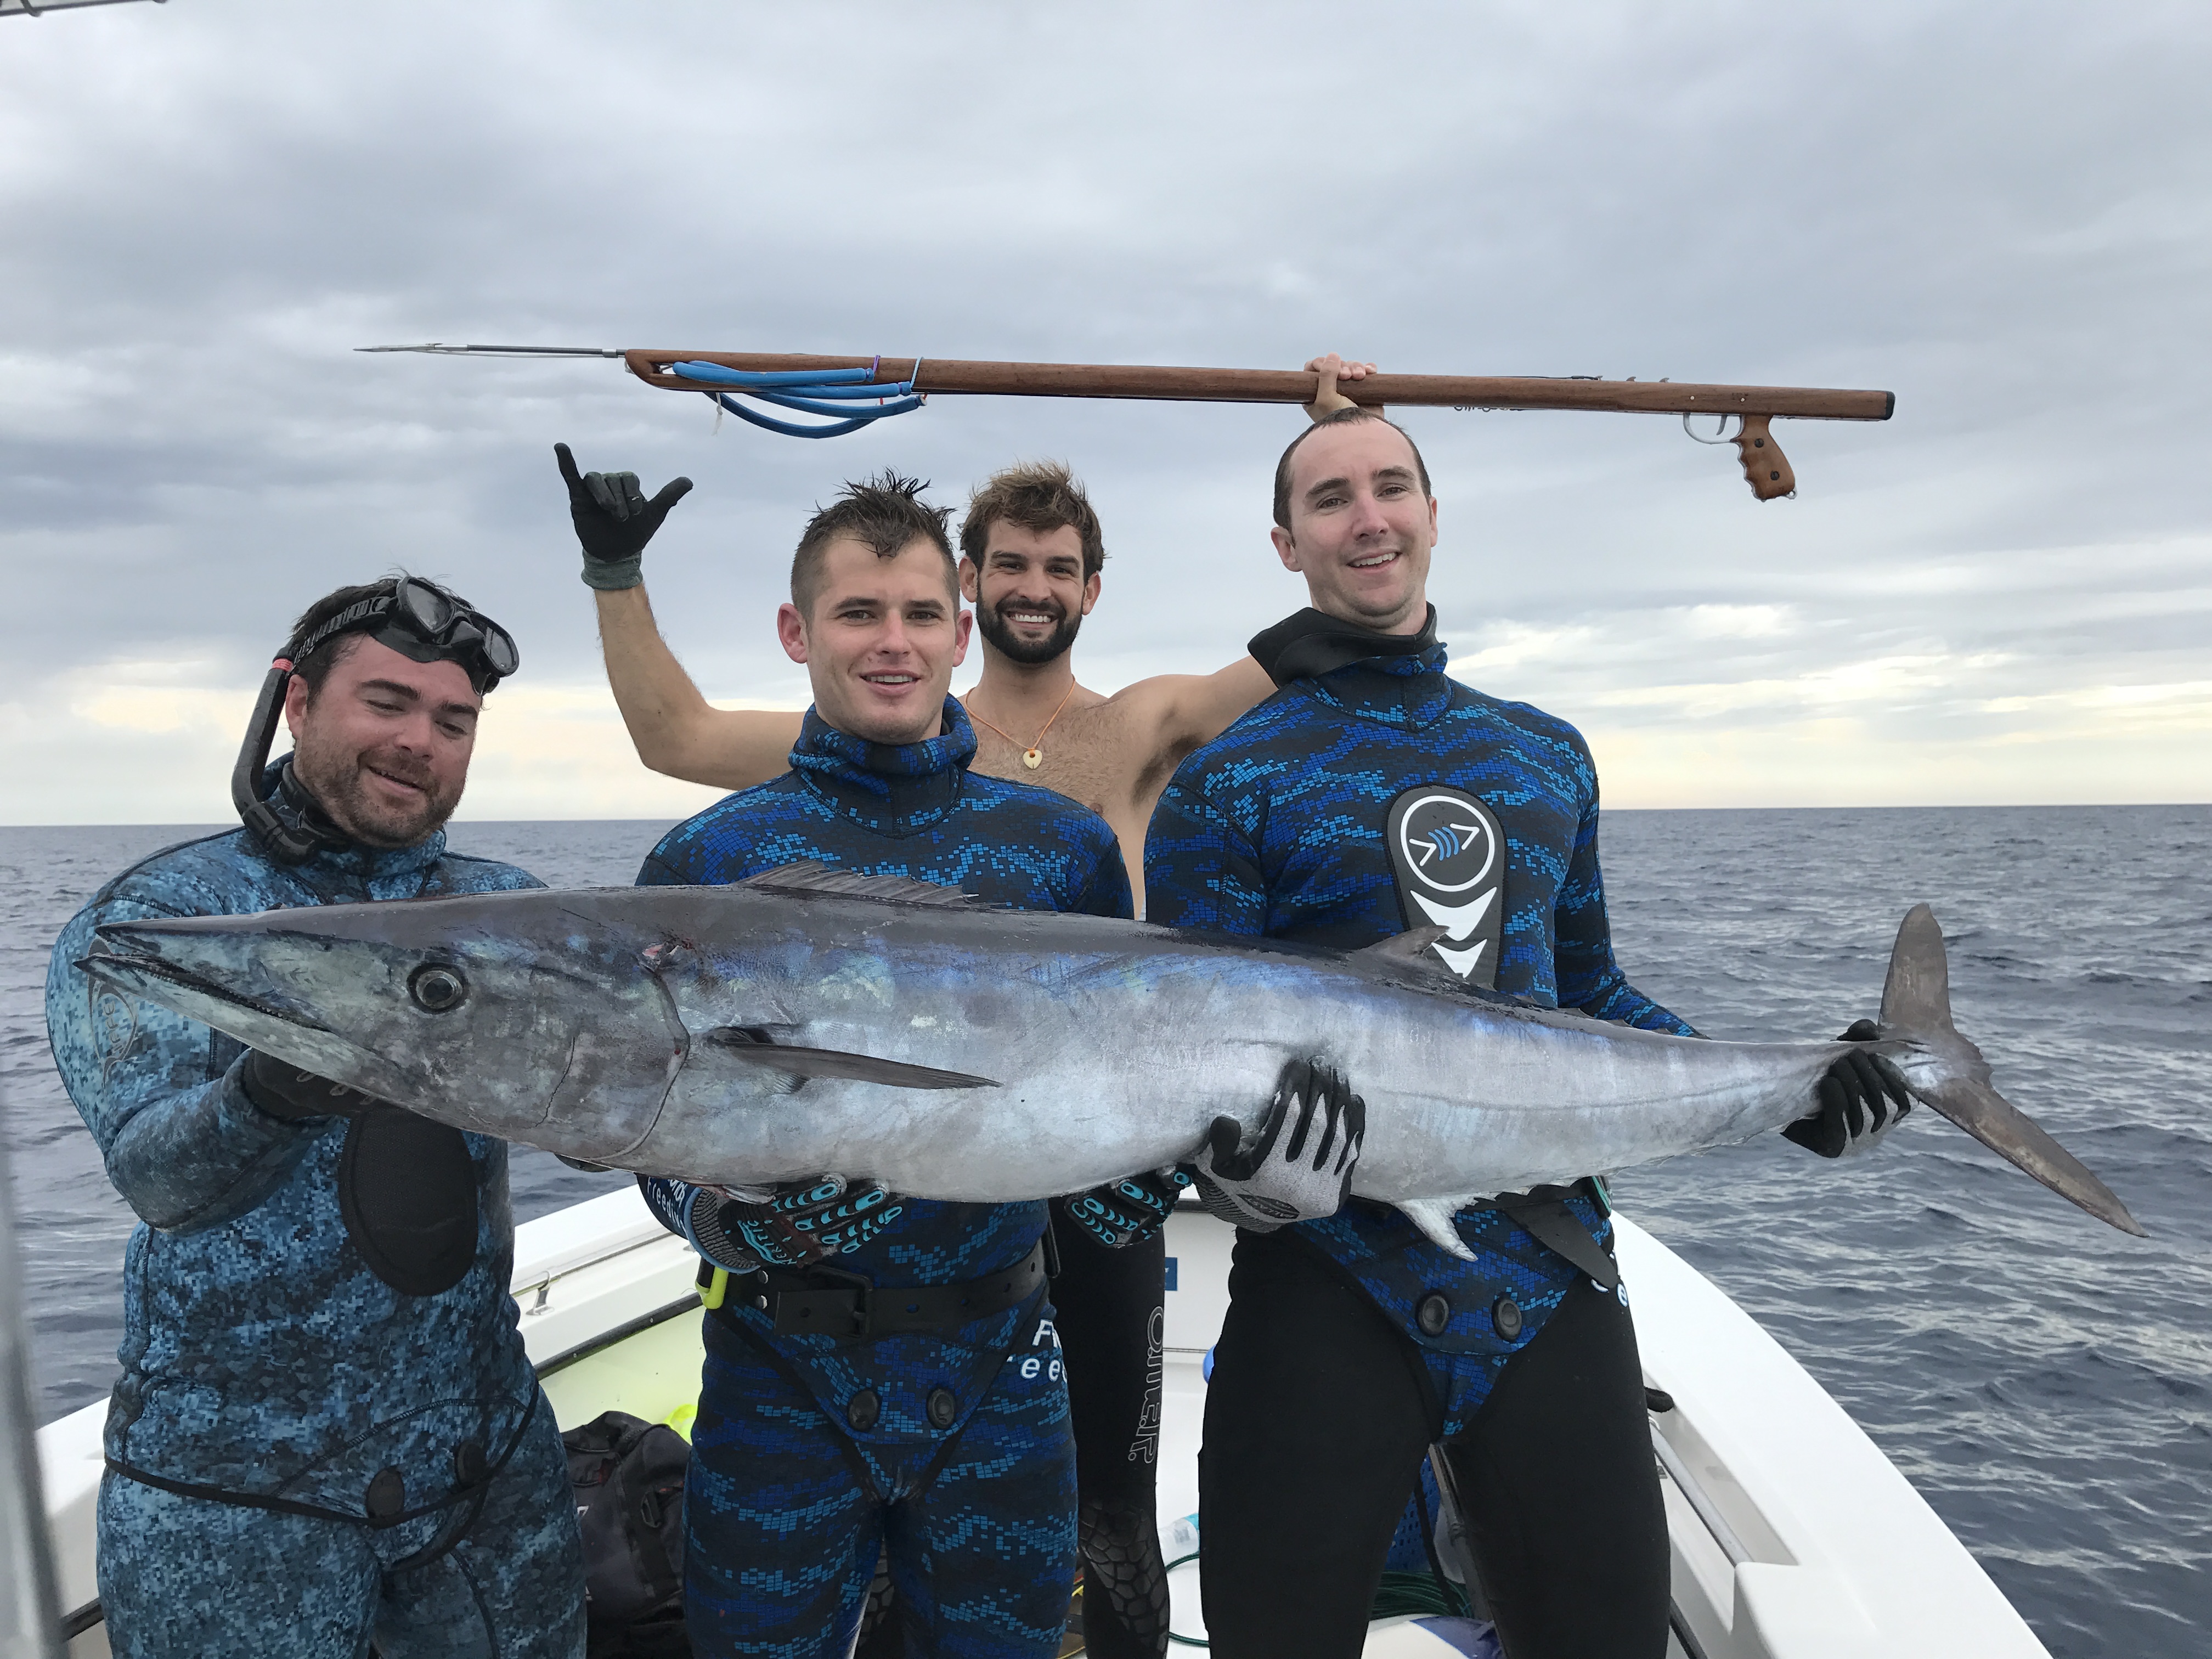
(1328, 1384)
(302, 1454)
(949, 1450)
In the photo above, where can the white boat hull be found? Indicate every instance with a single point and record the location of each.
(1793, 1536)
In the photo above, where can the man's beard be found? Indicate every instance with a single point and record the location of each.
(1002, 637)
(333, 777)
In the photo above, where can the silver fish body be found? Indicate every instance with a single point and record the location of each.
(775, 1031)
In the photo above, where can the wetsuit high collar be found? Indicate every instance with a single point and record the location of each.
(281, 788)
(1396, 678)
(894, 789)
(1309, 643)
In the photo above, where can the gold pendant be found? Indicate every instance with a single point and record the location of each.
(1033, 758)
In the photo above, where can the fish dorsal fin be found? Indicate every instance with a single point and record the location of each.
(1404, 948)
(1409, 953)
(812, 875)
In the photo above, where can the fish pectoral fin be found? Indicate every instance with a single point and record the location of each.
(742, 1044)
(812, 875)
(1433, 1216)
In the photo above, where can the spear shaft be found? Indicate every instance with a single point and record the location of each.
(956, 376)
(1765, 467)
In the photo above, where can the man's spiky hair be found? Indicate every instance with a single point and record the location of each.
(887, 516)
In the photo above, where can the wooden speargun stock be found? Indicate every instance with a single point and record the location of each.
(1765, 467)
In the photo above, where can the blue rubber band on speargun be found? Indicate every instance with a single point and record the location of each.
(825, 391)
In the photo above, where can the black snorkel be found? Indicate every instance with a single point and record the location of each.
(418, 619)
(287, 836)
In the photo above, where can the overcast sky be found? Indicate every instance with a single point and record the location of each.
(1998, 211)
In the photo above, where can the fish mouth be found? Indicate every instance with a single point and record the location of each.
(137, 970)
(167, 962)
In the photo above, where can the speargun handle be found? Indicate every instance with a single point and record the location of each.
(1766, 468)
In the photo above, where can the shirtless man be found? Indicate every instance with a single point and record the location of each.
(1030, 559)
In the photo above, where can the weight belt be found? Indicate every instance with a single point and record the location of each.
(831, 1303)
(1542, 1212)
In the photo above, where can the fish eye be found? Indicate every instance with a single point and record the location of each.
(436, 988)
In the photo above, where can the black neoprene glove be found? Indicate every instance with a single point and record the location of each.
(1125, 1212)
(614, 521)
(1862, 1097)
(801, 1225)
(283, 1091)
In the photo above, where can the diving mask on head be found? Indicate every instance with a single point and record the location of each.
(419, 620)
(423, 623)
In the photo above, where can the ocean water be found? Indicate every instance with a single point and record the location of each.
(2045, 1380)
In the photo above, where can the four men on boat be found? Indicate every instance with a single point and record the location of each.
(327, 1427)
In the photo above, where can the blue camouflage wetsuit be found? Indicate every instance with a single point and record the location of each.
(271, 1378)
(1277, 828)
(950, 1449)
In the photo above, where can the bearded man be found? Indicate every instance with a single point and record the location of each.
(326, 1432)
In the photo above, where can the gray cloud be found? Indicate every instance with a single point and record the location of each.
(1995, 212)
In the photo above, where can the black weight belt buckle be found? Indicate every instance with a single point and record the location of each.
(1546, 1218)
(856, 1309)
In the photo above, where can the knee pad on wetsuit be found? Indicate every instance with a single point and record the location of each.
(1125, 1581)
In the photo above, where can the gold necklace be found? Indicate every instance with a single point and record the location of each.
(1032, 756)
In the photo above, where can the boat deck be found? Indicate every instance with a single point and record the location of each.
(1793, 1536)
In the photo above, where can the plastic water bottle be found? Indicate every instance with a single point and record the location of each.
(1179, 1539)
(1205, 1367)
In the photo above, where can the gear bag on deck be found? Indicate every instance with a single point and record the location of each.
(628, 1479)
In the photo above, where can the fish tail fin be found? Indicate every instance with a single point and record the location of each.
(1948, 1071)
(1916, 995)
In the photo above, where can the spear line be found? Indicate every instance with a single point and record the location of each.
(796, 380)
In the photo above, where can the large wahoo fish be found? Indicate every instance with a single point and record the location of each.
(808, 1021)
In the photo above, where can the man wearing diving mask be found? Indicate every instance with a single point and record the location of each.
(326, 1432)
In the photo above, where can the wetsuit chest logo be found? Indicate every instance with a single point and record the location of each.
(115, 1022)
(1448, 855)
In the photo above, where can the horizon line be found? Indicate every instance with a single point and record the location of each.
(662, 818)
